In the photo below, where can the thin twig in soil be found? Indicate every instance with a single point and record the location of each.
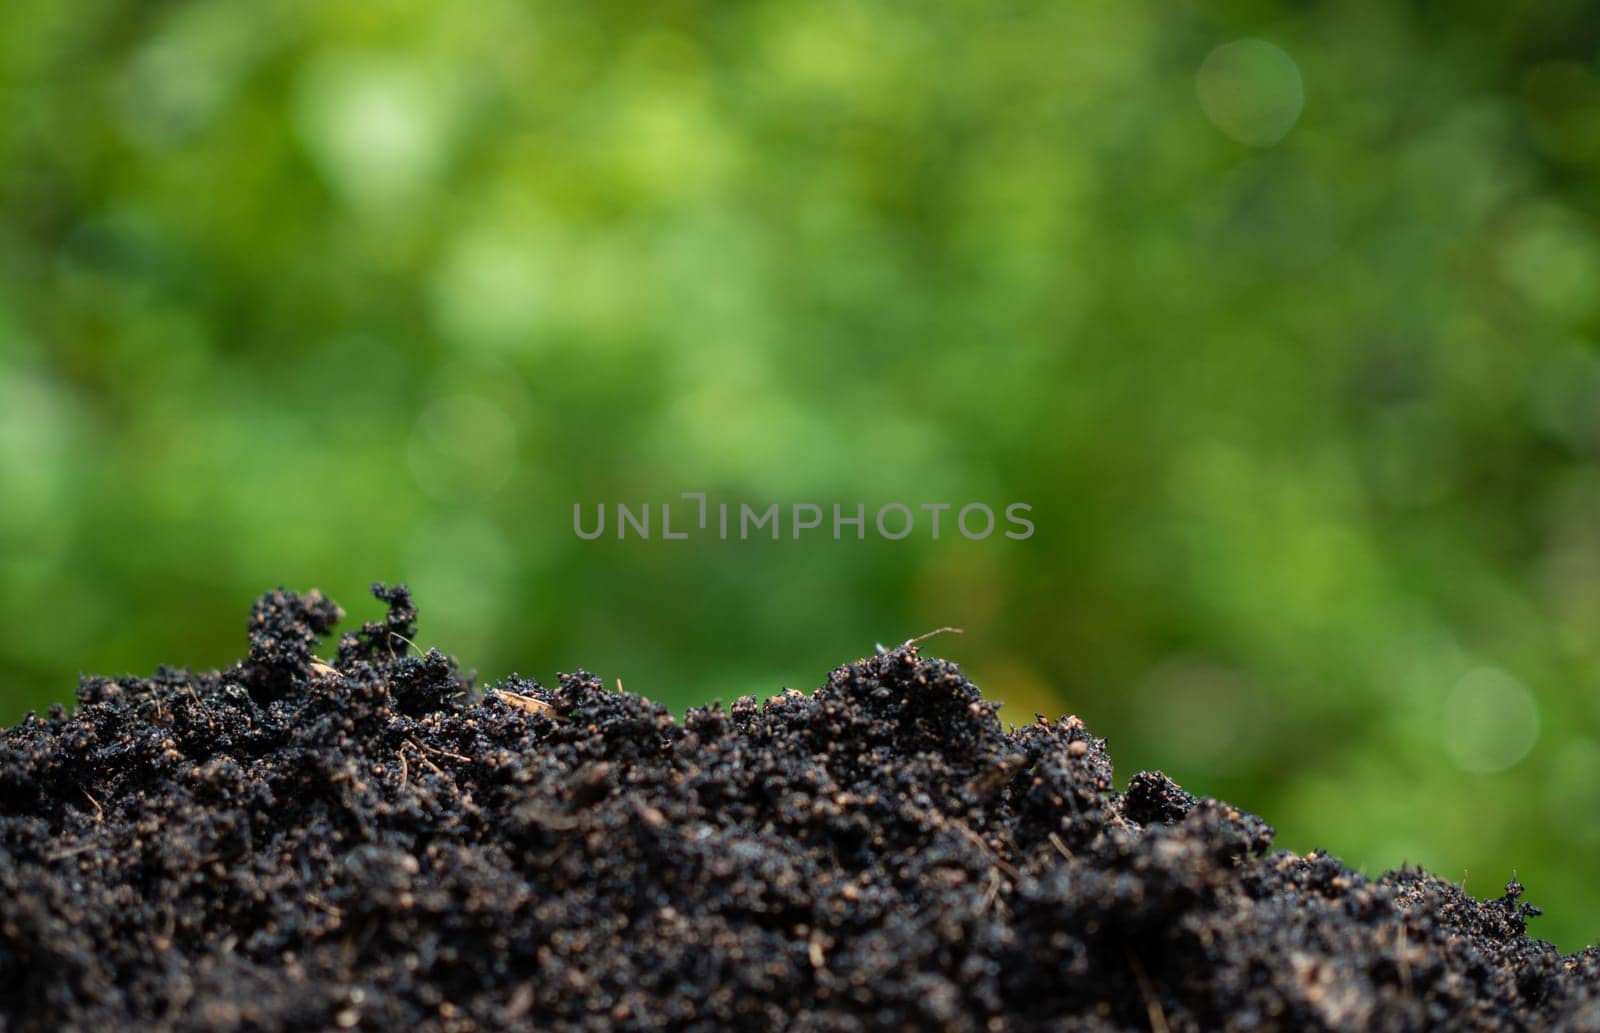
(317, 902)
(447, 753)
(999, 862)
(436, 769)
(1152, 1003)
(407, 641)
(936, 631)
(62, 855)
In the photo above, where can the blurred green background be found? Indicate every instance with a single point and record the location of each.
(1284, 317)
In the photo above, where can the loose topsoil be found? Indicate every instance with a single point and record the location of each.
(373, 843)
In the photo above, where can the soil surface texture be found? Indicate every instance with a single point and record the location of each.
(370, 842)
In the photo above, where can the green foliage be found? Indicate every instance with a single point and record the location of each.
(1291, 345)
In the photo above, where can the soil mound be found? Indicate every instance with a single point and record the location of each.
(372, 843)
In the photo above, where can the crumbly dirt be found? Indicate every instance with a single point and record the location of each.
(370, 842)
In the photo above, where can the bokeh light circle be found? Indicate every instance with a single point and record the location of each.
(1490, 721)
(463, 447)
(1251, 90)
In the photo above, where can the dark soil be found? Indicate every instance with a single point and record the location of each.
(289, 844)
